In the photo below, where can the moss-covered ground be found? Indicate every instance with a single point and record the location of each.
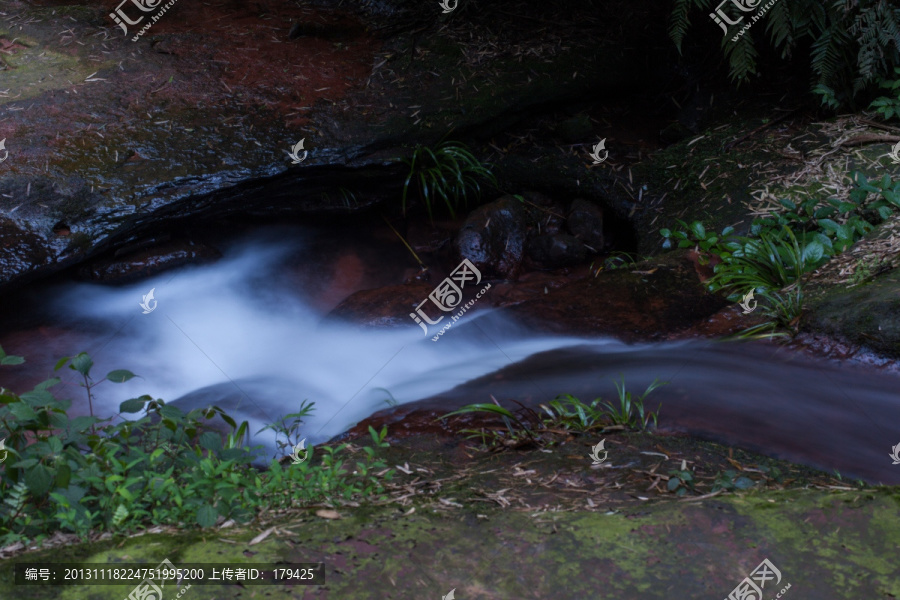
(541, 522)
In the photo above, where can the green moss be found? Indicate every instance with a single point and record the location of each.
(37, 69)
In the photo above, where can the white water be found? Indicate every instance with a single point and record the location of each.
(232, 325)
(242, 335)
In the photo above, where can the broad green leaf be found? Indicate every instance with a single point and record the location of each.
(132, 406)
(698, 229)
(211, 441)
(813, 252)
(171, 412)
(120, 375)
(82, 363)
(55, 444)
(38, 479)
(37, 398)
(22, 411)
(47, 384)
(63, 476)
(829, 225)
(787, 204)
(58, 420)
(206, 516)
(12, 360)
(892, 197)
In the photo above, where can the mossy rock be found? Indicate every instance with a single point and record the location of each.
(677, 549)
(867, 315)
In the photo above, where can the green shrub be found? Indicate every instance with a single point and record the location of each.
(889, 106)
(567, 412)
(68, 474)
(785, 245)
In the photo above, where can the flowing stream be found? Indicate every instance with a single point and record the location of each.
(247, 334)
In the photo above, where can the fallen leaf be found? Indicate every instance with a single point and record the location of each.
(328, 514)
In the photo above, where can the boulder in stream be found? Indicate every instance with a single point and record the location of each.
(493, 237)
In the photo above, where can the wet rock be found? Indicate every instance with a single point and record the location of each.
(867, 315)
(148, 262)
(493, 237)
(547, 213)
(553, 251)
(585, 222)
(383, 307)
(647, 302)
(22, 250)
(173, 147)
(424, 237)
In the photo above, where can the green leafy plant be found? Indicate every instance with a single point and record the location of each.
(731, 480)
(785, 245)
(680, 482)
(449, 173)
(82, 364)
(889, 106)
(772, 261)
(696, 236)
(522, 426)
(289, 430)
(165, 467)
(630, 411)
(570, 413)
(567, 412)
(851, 45)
